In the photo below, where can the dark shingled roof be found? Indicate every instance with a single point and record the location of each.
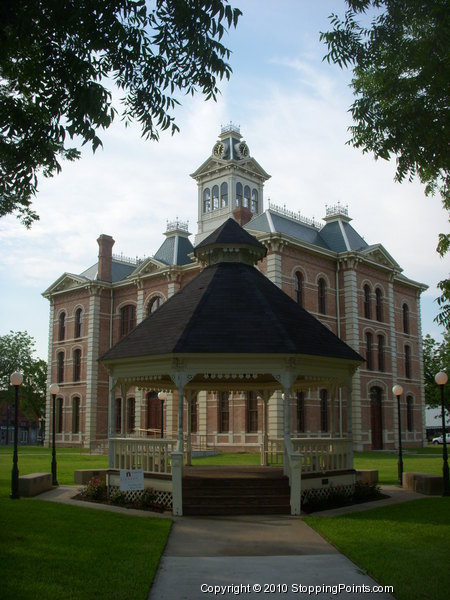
(231, 308)
(231, 233)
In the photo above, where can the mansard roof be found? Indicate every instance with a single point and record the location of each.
(120, 270)
(175, 250)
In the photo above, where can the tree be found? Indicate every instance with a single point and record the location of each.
(436, 358)
(59, 60)
(401, 80)
(16, 354)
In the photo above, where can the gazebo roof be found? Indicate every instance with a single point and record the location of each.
(230, 308)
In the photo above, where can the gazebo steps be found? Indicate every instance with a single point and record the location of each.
(223, 493)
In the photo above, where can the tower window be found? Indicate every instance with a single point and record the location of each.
(215, 197)
(206, 200)
(254, 201)
(224, 194)
(247, 196)
(239, 194)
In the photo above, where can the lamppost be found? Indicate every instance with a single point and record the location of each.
(54, 390)
(397, 390)
(162, 396)
(15, 380)
(441, 379)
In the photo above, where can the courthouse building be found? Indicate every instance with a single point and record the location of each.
(355, 289)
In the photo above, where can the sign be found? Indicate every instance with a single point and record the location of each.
(131, 480)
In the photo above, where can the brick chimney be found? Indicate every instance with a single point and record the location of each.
(105, 244)
(242, 214)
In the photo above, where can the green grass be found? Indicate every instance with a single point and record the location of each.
(406, 545)
(54, 551)
(427, 461)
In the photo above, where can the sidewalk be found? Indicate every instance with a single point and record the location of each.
(246, 556)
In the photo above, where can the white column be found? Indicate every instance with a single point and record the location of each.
(92, 369)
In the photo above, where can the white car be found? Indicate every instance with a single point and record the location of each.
(440, 439)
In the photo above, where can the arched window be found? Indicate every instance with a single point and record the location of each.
(247, 196)
(323, 410)
(206, 200)
(62, 326)
(379, 304)
(60, 367)
(254, 201)
(76, 415)
(369, 351)
(298, 285)
(127, 319)
(194, 415)
(118, 415)
(322, 296)
(367, 314)
(154, 304)
(409, 413)
(407, 362)
(77, 365)
(78, 320)
(224, 194)
(239, 194)
(376, 417)
(381, 365)
(252, 412)
(215, 197)
(405, 311)
(224, 413)
(59, 415)
(131, 415)
(300, 412)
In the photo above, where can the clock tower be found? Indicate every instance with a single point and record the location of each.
(230, 184)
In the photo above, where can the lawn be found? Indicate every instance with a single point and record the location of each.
(406, 545)
(54, 551)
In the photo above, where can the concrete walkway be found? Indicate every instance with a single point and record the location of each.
(250, 556)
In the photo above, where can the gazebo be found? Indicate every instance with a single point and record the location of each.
(230, 328)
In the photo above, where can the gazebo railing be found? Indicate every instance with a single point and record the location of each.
(318, 454)
(149, 454)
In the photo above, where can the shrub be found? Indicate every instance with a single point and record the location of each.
(95, 490)
(118, 498)
(147, 498)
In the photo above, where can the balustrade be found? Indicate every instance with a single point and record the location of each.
(150, 455)
(318, 454)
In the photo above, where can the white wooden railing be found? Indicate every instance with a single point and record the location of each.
(318, 454)
(149, 454)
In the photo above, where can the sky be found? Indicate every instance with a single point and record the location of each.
(292, 109)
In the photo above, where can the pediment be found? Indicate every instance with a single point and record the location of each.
(214, 165)
(381, 256)
(66, 282)
(148, 266)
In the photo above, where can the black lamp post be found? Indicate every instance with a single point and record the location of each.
(16, 380)
(397, 390)
(162, 396)
(54, 390)
(441, 379)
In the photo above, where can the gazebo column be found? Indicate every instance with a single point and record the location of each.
(123, 409)
(265, 399)
(189, 396)
(111, 419)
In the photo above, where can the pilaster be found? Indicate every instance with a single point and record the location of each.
(92, 369)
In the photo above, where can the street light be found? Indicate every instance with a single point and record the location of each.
(16, 381)
(162, 396)
(397, 390)
(54, 390)
(441, 379)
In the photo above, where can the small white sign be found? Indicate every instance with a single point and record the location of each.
(131, 480)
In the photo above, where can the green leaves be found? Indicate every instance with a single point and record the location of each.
(56, 58)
